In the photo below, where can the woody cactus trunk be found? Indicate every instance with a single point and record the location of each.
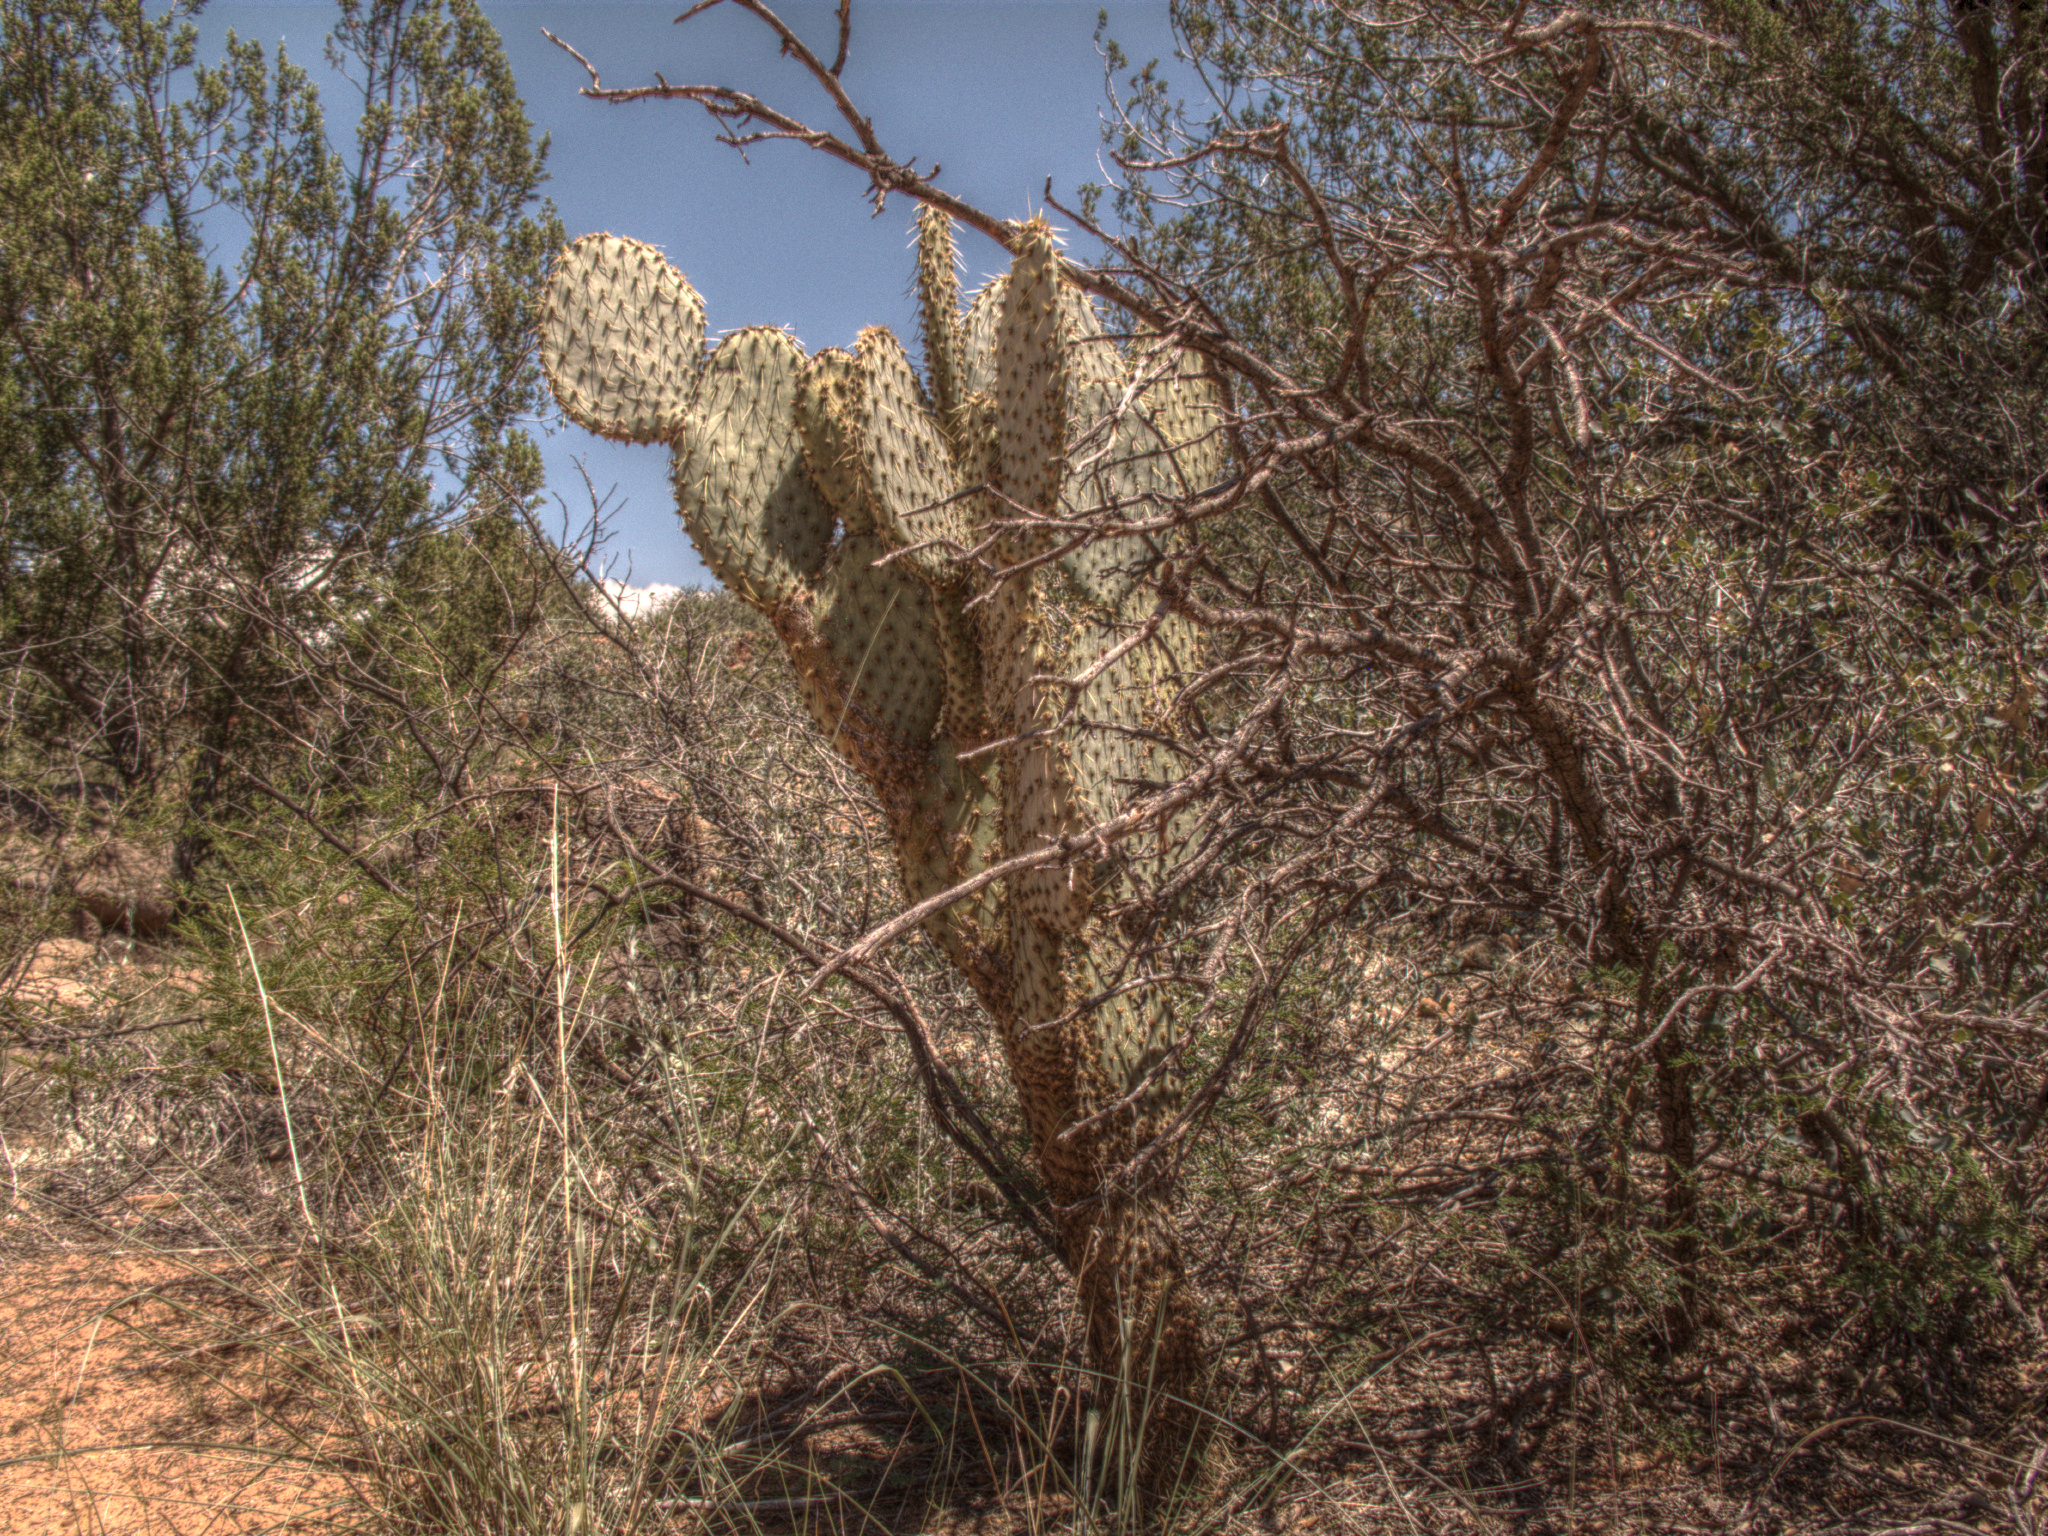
(1004, 681)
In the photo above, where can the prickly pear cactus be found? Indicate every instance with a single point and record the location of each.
(1005, 681)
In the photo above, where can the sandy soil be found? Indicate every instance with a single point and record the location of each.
(125, 1408)
(126, 1405)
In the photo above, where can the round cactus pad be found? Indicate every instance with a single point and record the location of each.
(622, 339)
(752, 508)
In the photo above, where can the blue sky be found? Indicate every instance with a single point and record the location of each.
(1000, 95)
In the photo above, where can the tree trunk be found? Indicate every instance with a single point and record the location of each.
(1093, 1100)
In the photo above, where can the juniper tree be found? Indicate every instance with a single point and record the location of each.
(236, 351)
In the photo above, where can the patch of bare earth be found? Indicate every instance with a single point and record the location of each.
(133, 1396)
(125, 1407)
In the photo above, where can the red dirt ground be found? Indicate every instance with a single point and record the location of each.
(119, 1413)
(125, 1410)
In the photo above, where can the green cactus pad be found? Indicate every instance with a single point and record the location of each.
(1134, 1031)
(938, 318)
(621, 339)
(1039, 800)
(978, 329)
(878, 622)
(1166, 447)
(1096, 383)
(1031, 378)
(1097, 377)
(1122, 709)
(827, 404)
(964, 719)
(952, 834)
(906, 465)
(1107, 448)
(978, 338)
(1080, 320)
(977, 446)
(739, 474)
(1189, 414)
(1116, 486)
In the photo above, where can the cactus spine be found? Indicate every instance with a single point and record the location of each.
(1031, 429)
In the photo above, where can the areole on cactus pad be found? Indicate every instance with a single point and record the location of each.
(941, 557)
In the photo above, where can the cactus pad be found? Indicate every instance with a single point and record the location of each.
(621, 336)
(906, 465)
(938, 317)
(827, 398)
(1031, 379)
(740, 478)
(878, 622)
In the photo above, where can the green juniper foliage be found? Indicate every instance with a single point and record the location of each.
(209, 465)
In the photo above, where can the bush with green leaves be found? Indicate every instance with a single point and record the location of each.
(210, 466)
